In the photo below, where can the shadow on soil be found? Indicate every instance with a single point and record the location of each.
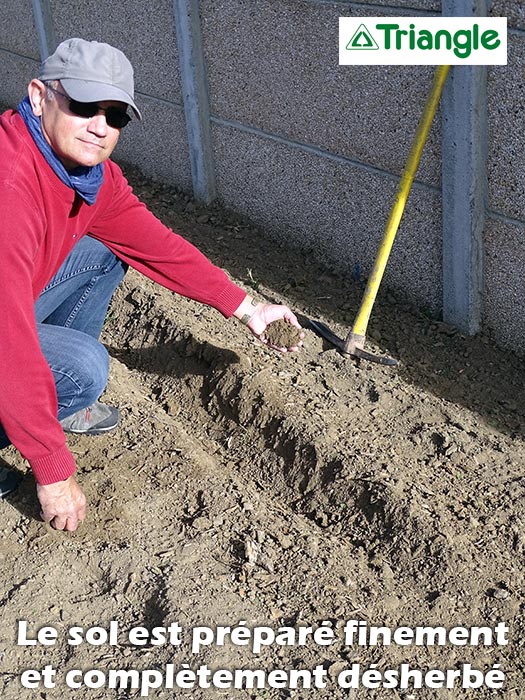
(470, 371)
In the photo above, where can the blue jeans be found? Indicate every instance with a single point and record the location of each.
(70, 313)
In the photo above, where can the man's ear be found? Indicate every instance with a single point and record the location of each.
(37, 94)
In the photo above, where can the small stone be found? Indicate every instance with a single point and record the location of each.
(501, 594)
(391, 603)
(285, 541)
(335, 669)
(202, 523)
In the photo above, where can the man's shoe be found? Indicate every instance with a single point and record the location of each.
(9, 481)
(93, 420)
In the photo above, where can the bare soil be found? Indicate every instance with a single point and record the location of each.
(279, 490)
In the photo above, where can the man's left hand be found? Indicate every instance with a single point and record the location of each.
(258, 316)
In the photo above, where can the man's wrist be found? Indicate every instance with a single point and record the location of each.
(246, 310)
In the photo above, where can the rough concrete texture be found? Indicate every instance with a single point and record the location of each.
(505, 282)
(144, 31)
(512, 10)
(335, 211)
(17, 28)
(17, 71)
(418, 5)
(279, 72)
(506, 136)
(157, 145)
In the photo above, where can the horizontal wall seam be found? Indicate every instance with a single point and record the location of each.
(319, 152)
(520, 223)
(160, 100)
(352, 4)
(20, 55)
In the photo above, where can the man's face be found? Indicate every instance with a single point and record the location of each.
(75, 140)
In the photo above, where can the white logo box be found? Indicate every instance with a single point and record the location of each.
(390, 41)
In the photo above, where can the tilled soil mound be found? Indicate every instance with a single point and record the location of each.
(306, 489)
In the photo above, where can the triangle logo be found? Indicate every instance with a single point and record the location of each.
(363, 40)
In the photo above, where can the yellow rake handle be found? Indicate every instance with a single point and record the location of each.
(407, 178)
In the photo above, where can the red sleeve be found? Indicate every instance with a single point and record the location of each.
(136, 236)
(28, 403)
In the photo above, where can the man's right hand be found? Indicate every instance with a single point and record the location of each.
(63, 504)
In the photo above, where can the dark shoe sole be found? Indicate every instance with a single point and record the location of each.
(92, 431)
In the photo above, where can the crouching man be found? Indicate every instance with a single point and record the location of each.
(57, 185)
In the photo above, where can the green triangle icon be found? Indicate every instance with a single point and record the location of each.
(362, 39)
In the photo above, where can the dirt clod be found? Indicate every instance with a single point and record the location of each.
(282, 334)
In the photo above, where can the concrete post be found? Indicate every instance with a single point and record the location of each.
(195, 98)
(44, 27)
(464, 171)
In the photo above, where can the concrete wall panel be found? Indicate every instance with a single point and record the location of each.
(277, 70)
(505, 282)
(506, 138)
(335, 209)
(514, 11)
(17, 28)
(144, 31)
(17, 71)
(157, 144)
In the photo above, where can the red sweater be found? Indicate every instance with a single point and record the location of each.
(41, 219)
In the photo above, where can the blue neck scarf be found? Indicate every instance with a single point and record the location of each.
(84, 180)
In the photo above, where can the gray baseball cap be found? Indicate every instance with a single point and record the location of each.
(90, 71)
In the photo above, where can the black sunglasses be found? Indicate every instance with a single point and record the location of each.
(115, 117)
